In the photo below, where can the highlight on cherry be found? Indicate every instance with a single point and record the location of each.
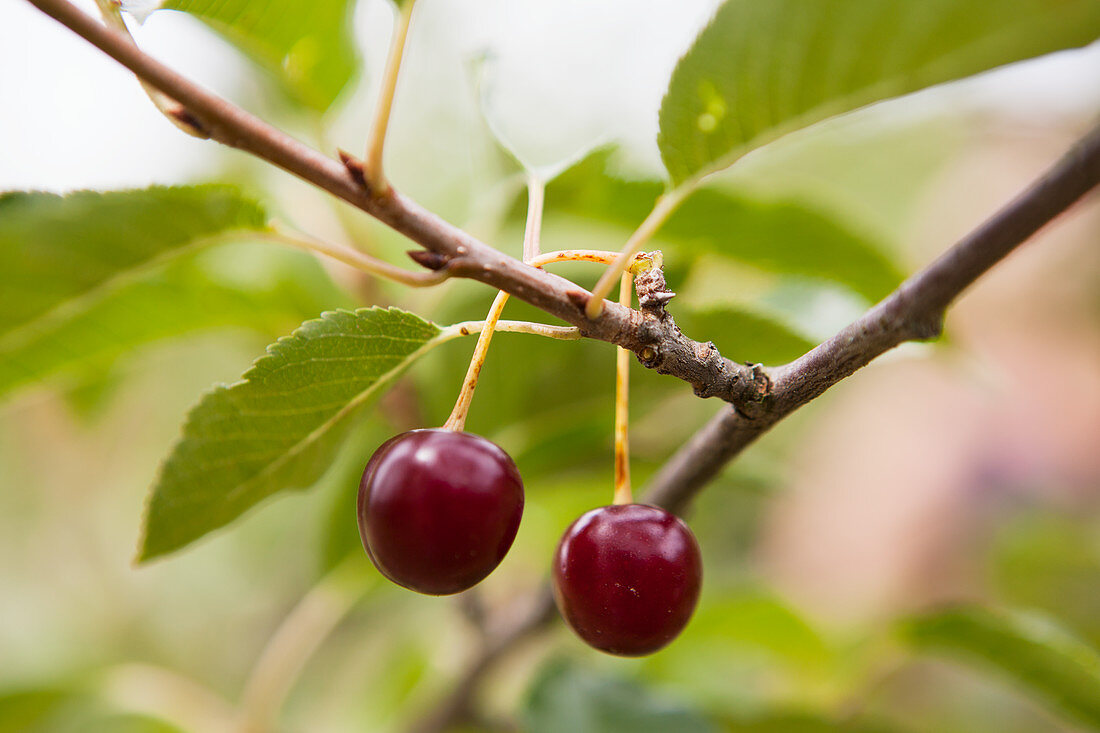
(439, 508)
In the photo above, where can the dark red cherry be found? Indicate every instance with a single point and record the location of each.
(439, 509)
(627, 577)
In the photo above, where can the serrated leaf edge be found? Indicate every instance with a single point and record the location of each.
(443, 335)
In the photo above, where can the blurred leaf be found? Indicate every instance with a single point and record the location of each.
(799, 723)
(744, 335)
(83, 278)
(565, 697)
(279, 427)
(745, 647)
(778, 235)
(339, 530)
(1032, 650)
(1051, 562)
(763, 69)
(27, 710)
(113, 319)
(127, 723)
(307, 45)
(56, 250)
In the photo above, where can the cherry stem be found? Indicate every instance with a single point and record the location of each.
(536, 193)
(468, 328)
(622, 405)
(376, 138)
(355, 258)
(666, 204)
(457, 419)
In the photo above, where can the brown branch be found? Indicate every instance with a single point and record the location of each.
(914, 311)
(760, 398)
(666, 349)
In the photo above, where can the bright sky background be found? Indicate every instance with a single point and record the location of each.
(557, 78)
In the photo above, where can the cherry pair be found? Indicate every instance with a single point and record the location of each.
(439, 509)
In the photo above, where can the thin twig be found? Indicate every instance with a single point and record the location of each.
(536, 195)
(709, 373)
(457, 419)
(562, 333)
(355, 258)
(760, 397)
(914, 310)
(665, 206)
(380, 122)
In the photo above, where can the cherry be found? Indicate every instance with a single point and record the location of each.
(627, 577)
(439, 509)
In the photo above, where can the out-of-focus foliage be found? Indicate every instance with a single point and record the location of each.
(567, 697)
(58, 248)
(56, 710)
(760, 70)
(767, 260)
(84, 279)
(1030, 649)
(785, 236)
(307, 46)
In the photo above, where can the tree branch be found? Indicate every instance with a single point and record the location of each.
(666, 349)
(760, 398)
(914, 311)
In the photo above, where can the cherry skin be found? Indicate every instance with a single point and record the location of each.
(627, 578)
(439, 509)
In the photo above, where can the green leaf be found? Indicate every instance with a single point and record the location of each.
(565, 697)
(87, 278)
(307, 45)
(280, 426)
(1027, 648)
(91, 332)
(794, 722)
(778, 235)
(762, 69)
(746, 335)
(30, 709)
(56, 249)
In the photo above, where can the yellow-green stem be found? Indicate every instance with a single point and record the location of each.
(457, 420)
(376, 138)
(663, 209)
(536, 191)
(355, 258)
(622, 405)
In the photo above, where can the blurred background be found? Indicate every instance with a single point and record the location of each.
(965, 470)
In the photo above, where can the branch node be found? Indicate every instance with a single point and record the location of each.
(752, 392)
(427, 258)
(649, 282)
(355, 168)
(927, 327)
(193, 126)
(578, 297)
(648, 357)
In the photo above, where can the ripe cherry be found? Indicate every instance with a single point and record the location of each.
(627, 577)
(439, 509)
